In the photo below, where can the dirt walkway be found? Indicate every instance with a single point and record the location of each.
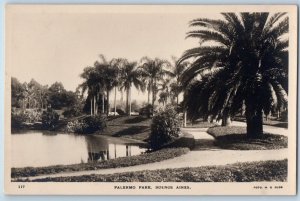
(204, 154)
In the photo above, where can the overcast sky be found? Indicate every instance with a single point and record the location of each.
(56, 45)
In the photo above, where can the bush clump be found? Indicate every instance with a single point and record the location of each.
(88, 125)
(165, 127)
(72, 112)
(21, 116)
(50, 119)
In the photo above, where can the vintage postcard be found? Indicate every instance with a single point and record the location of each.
(150, 99)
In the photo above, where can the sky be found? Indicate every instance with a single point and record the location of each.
(57, 44)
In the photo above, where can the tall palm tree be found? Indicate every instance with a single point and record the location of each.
(117, 64)
(177, 72)
(164, 87)
(131, 75)
(247, 57)
(93, 85)
(108, 74)
(153, 71)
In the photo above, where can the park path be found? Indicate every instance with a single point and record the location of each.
(204, 154)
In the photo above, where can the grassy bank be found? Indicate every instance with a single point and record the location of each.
(234, 137)
(238, 172)
(133, 127)
(113, 163)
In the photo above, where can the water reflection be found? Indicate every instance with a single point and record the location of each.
(104, 149)
(49, 148)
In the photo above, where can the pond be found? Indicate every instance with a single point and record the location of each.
(45, 148)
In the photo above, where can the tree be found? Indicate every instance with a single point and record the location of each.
(247, 58)
(153, 71)
(131, 75)
(176, 73)
(17, 93)
(94, 86)
(108, 75)
(165, 91)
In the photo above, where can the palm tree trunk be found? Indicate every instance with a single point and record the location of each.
(254, 119)
(153, 95)
(226, 120)
(148, 95)
(103, 104)
(95, 105)
(115, 106)
(91, 106)
(129, 101)
(107, 99)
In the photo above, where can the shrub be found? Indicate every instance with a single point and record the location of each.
(146, 111)
(72, 112)
(50, 119)
(87, 125)
(165, 127)
(120, 111)
(19, 117)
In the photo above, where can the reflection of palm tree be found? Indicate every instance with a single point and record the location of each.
(130, 75)
(153, 71)
(246, 63)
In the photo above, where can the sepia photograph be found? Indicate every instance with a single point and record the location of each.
(150, 99)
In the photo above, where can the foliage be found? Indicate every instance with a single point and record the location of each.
(19, 117)
(261, 171)
(120, 111)
(165, 127)
(145, 158)
(88, 125)
(147, 110)
(154, 71)
(50, 119)
(242, 59)
(74, 111)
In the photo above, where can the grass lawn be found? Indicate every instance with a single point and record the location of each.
(234, 137)
(200, 124)
(272, 121)
(238, 172)
(134, 127)
(113, 163)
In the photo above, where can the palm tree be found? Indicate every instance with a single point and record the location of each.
(246, 56)
(153, 71)
(117, 64)
(131, 75)
(176, 73)
(165, 91)
(93, 85)
(108, 74)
